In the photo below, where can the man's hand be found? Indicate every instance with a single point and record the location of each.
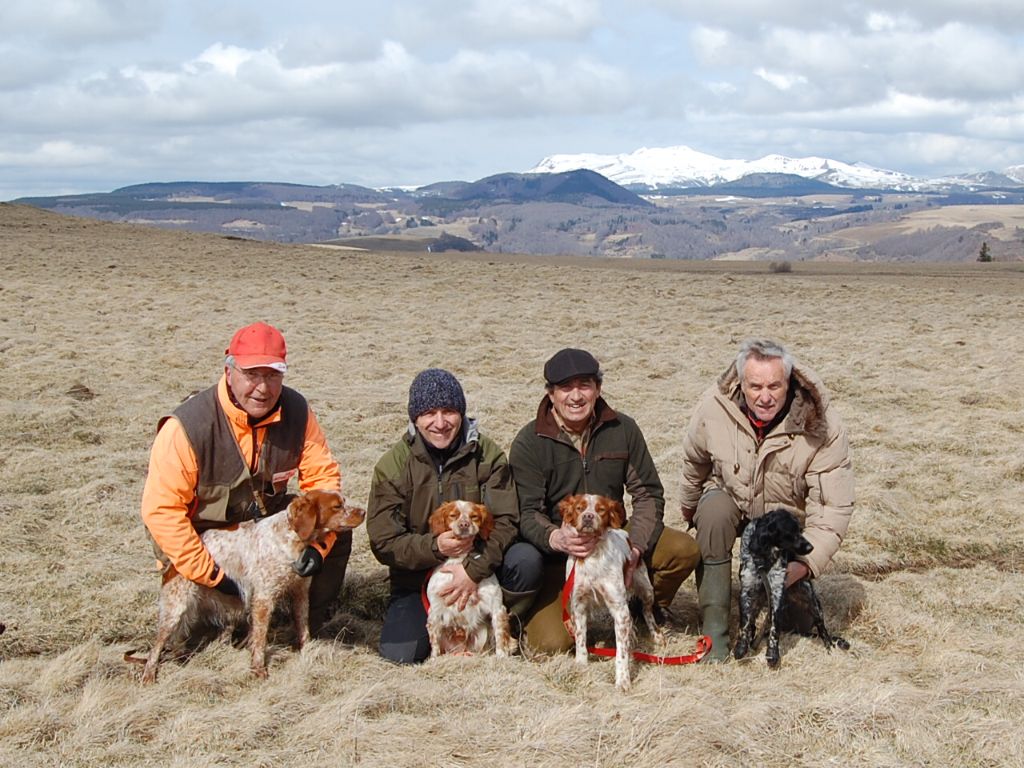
(631, 564)
(228, 586)
(450, 545)
(567, 540)
(687, 513)
(309, 562)
(462, 590)
(796, 571)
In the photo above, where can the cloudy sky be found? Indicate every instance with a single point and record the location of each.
(96, 94)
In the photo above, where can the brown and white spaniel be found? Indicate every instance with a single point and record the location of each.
(465, 631)
(258, 556)
(599, 578)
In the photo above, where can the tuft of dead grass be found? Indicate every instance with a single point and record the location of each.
(108, 327)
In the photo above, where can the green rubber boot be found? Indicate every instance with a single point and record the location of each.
(714, 596)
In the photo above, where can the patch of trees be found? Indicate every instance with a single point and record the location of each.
(448, 242)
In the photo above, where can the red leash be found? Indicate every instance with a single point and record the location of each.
(703, 642)
(423, 591)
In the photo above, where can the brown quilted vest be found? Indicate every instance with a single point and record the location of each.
(226, 489)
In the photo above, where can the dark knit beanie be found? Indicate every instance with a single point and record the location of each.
(435, 388)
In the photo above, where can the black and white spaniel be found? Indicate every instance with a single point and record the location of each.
(768, 545)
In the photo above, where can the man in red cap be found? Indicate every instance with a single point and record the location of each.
(227, 454)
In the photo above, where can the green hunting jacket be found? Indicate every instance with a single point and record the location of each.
(407, 487)
(547, 467)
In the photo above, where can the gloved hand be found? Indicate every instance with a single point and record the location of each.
(228, 586)
(309, 562)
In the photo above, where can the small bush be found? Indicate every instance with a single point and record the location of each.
(780, 267)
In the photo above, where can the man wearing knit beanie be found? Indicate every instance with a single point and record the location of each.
(436, 396)
(442, 457)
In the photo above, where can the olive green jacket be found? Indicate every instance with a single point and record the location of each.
(407, 487)
(547, 467)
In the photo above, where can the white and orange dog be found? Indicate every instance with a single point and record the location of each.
(258, 556)
(465, 631)
(599, 578)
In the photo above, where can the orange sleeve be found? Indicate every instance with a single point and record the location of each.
(318, 471)
(166, 498)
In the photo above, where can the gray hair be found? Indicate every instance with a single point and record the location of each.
(229, 361)
(762, 349)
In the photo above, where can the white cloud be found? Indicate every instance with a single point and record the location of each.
(546, 18)
(751, 17)
(57, 154)
(484, 23)
(780, 80)
(80, 22)
(396, 91)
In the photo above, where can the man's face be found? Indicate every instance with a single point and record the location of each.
(256, 390)
(764, 385)
(574, 400)
(439, 426)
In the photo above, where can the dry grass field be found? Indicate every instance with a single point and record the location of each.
(106, 327)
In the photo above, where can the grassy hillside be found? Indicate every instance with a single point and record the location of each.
(108, 326)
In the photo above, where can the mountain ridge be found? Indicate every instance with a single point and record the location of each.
(681, 167)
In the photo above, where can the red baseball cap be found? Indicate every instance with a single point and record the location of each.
(258, 346)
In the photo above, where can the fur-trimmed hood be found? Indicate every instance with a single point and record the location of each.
(810, 399)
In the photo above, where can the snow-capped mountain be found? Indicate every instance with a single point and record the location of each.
(685, 167)
(1015, 172)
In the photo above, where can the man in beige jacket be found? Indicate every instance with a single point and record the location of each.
(764, 436)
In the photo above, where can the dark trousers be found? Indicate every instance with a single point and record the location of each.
(326, 585)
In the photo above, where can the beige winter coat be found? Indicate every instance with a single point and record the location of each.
(803, 464)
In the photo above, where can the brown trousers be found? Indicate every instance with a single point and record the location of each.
(718, 522)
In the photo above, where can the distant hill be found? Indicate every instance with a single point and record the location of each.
(757, 185)
(580, 186)
(263, 210)
(764, 215)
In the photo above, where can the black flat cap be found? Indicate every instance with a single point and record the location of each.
(568, 364)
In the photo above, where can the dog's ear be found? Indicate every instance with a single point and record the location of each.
(302, 516)
(567, 509)
(762, 535)
(616, 514)
(439, 518)
(486, 522)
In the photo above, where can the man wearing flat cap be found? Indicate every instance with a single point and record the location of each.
(227, 454)
(442, 457)
(579, 444)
